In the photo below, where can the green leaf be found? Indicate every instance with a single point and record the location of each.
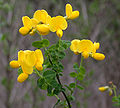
(80, 77)
(61, 54)
(57, 90)
(71, 98)
(82, 70)
(4, 82)
(80, 87)
(49, 89)
(41, 44)
(69, 88)
(41, 83)
(49, 74)
(75, 65)
(73, 74)
(20, 71)
(72, 85)
(115, 99)
(54, 83)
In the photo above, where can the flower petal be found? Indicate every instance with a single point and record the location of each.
(59, 33)
(74, 15)
(20, 56)
(68, 10)
(34, 22)
(39, 56)
(57, 23)
(24, 31)
(96, 45)
(27, 22)
(30, 58)
(39, 66)
(75, 45)
(86, 45)
(61, 22)
(40, 16)
(43, 29)
(98, 56)
(14, 64)
(22, 77)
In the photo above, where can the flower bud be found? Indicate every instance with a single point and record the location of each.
(14, 64)
(110, 92)
(22, 77)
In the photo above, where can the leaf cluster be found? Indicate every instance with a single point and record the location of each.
(52, 65)
(116, 101)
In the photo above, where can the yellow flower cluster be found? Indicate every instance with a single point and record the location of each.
(87, 48)
(44, 23)
(27, 60)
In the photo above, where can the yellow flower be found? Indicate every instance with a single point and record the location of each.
(27, 25)
(27, 60)
(42, 18)
(57, 24)
(87, 48)
(102, 89)
(70, 13)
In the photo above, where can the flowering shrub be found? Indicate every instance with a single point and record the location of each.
(49, 68)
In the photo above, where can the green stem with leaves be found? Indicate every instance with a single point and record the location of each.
(57, 76)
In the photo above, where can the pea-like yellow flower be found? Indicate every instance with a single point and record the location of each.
(70, 13)
(27, 60)
(87, 48)
(106, 88)
(27, 25)
(42, 21)
(57, 24)
(102, 89)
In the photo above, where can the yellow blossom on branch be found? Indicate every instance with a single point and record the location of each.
(70, 13)
(27, 60)
(87, 48)
(102, 89)
(57, 24)
(40, 22)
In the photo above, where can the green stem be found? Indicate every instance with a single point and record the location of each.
(114, 90)
(36, 72)
(81, 62)
(58, 100)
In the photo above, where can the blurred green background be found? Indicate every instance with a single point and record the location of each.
(99, 21)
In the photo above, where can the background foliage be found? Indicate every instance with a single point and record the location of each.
(99, 21)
